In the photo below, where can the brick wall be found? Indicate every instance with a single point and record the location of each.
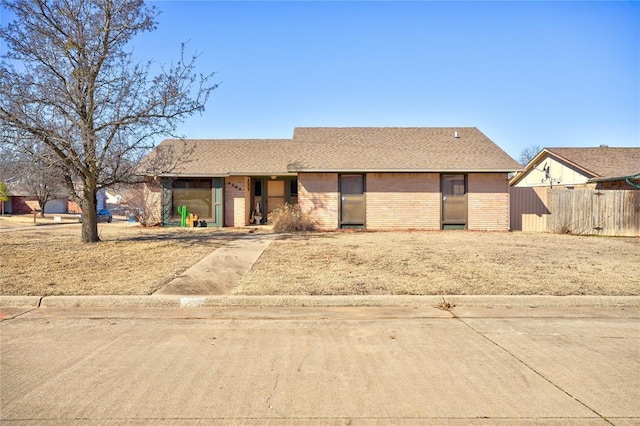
(616, 184)
(73, 207)
(23, 205)
(235, 204)
(318, 196)
(488, 202)
(151, 202)
(403, 200)
(407, 200)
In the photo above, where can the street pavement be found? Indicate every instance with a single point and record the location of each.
(345, 365)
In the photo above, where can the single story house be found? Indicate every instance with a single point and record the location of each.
(373, 178)
(22, 202)
(596, 168)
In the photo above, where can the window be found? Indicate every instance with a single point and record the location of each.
(352, 201)
(352, 184)
(293, 191)
(454, 201)
(195, 194)
(453, 184)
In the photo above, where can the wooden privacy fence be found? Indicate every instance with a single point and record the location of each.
(576, 211)
(529, 211)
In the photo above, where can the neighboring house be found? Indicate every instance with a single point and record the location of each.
(113, 199)
(374, 178)
(22, 203)
(598, 168)
(601, 168)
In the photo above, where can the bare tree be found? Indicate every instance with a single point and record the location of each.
(7, 171)
(528, 154)
(145, 202)
(37, 171)
(68, 82)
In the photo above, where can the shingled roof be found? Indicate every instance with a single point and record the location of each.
(597, 164)
(348, 149)
(227, 157)
(602, 162)
(398, 149)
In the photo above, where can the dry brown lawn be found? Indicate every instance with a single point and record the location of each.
(50, 260)
(451, 262)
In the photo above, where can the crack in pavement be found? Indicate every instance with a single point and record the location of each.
(19, 315)
(514, 356)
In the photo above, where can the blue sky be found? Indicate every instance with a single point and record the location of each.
(524, 73)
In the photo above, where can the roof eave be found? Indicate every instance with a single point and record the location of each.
(262, 173)
(546, 152)
(226, 174)
(612, 178)
(375, 170)
(193, 175)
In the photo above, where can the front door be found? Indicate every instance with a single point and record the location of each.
(352, 201)
(454, 201)
(275, 195)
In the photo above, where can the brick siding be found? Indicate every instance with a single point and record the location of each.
(23, 205)
(488, 202)
(407, 200)
(318, 196)
(235, 202)
(616, 184)
(73, 207)
(403, 200)
(152, 202)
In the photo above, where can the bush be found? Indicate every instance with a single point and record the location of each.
(289, 218)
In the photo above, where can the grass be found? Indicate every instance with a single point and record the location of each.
(449, 262)
(50, 260)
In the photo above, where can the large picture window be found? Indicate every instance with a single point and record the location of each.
(196, 194)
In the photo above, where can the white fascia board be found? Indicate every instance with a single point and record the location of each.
(309, 170)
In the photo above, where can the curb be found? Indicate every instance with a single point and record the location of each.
(195, 301)
(20, 301)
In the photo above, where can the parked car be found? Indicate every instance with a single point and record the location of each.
(121, 210)
(104, 215)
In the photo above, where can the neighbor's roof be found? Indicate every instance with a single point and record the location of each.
(350, 149)
(603, 162)
(597, 164)
(402, 149)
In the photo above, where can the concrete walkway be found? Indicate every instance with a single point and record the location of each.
(219, 272)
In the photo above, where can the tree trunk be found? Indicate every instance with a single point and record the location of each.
(89, 214)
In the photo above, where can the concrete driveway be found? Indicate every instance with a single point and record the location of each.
(24, 223)
(348, 365)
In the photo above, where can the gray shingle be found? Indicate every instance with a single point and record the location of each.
(399, 149)
(431, 149)
(602, 162)
(223, 157)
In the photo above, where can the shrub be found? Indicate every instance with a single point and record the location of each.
(289, 218)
